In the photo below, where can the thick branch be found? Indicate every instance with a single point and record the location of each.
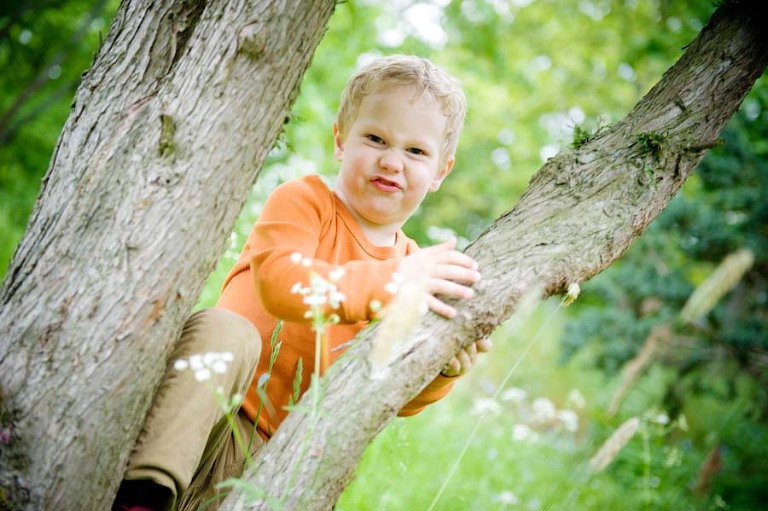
(581, 212)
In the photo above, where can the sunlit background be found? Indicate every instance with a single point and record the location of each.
(525, 429)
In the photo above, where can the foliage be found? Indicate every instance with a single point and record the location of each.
(45, 45)
(721, 359)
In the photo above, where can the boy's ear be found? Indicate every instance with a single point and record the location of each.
(442, 173)
(338, 144)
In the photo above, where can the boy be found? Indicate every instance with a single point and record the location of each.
(395, 136)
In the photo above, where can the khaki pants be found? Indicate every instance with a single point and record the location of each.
(187, 445)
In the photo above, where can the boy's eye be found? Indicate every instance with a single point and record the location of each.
(375, 139)
(416, 150)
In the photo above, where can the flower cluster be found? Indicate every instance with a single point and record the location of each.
(534, 417)
(320, 291)
(205, 365)
(393, 286)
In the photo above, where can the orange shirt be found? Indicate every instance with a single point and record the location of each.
(305, 217)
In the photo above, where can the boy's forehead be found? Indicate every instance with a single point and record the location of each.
(416, 96)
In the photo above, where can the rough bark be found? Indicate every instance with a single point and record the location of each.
(581, 212)
(166, 136)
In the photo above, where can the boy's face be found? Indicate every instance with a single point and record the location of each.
(391, 157)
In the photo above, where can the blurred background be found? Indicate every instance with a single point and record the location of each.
(649, 391)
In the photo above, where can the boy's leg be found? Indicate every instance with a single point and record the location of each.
(185, 412)
(223, 459)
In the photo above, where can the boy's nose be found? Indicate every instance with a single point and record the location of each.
(391, 161)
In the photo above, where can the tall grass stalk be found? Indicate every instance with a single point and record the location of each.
(615, 443)
(656, 341)
(723, 279)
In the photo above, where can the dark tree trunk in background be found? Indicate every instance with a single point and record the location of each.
(581, 212)
(166, 137)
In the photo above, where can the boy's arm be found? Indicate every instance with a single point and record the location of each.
(282, 245)
(436, 390)
(444, 381)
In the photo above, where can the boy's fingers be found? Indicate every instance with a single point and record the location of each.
(452, 257)
(465, 361)
(439, 307)
(472, 352)
(484, 345)
(449, 288)
(452, 368)
(456, 273)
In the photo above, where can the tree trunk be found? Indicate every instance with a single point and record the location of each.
(581, 212)
(166, 137)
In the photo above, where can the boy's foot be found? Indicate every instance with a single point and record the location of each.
(142, 495)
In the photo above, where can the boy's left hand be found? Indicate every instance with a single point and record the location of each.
(465, 359)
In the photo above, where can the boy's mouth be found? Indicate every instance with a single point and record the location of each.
(385, 185)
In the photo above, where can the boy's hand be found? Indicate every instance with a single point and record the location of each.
(465, 359)
(447, 271)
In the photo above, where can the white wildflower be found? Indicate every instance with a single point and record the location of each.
(507, 497)
(203, 374)
(375, 306)
(336, 274)
(674, 457)
(543, 409)
(219, 366)
(335, 298)
(306, 262)
(296, 257)
(523, 433)
(298, 289)
(514, 394)
(576, 399)
(196, 362)
(569, 420)
(315, 300)
(204, 365)
(393, 286)
(483, 406)
(573, 292)
(210, 358)
(720, 503)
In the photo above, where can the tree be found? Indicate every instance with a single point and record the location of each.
(166, 136)
(550, 237)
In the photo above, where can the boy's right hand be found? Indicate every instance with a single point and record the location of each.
(447, 272)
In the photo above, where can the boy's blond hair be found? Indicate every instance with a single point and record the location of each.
(406, 71)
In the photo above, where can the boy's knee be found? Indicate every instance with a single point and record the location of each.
(221, 330)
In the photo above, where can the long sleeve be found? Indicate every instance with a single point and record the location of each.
(291, 240)
(305, 228)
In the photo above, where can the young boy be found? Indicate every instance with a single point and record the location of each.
(395, 135)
